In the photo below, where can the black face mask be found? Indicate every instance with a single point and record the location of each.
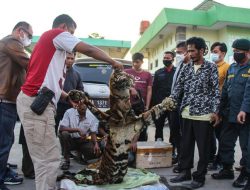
(239, 57)
(167, 62)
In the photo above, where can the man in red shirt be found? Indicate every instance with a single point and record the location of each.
(47, 69)
(143, 84)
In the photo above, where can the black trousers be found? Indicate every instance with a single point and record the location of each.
(61, 109)
(27, 164)
(199, 132)
(229, 136)
(68, 143)
(159, 124)
(175, 130)
(214, 149)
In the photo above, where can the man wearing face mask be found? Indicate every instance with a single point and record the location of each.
(162, 84)
(218, 52)
(244, 118)
(231, 102)
(14, 62)
(182, 58)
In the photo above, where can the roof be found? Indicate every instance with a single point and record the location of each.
(207, 4)
(117, 48)
(98, 42)
(217, 15)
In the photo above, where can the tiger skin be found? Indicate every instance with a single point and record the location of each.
(122, 125)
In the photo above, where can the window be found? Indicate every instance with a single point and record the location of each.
(150, 66)
(156, 63)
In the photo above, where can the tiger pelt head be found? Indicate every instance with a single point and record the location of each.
(120, 84)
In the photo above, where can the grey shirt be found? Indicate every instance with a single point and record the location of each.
(72, 82)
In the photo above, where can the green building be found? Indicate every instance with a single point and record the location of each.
(210, 20)
(114, 48)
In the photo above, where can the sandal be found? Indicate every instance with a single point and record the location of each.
(65, 165)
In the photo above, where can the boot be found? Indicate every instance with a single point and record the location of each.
(185, 175)
(242, 179)
(247, 186)
(226, 173)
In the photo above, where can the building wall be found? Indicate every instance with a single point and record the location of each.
(226, 35)
(169, 43)
(156, 54)
(234, 33)
(210, 36)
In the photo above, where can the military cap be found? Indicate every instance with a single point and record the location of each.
(241, 44)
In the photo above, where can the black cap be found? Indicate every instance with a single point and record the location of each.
(241, 44)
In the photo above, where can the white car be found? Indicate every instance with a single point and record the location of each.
(95, 77)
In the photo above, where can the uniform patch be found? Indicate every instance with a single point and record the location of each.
(245, 75)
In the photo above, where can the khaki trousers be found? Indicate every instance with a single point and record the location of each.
(40, 135)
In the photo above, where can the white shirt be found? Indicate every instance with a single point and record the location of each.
(47, 63)
(71, 120)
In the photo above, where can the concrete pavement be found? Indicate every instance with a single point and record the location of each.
(16, 157)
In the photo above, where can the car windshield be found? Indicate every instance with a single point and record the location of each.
(95, 72)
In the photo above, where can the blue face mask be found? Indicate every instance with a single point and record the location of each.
(215, 57)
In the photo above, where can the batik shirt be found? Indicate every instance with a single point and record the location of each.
(198, 90)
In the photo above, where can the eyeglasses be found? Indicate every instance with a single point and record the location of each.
(27, 32)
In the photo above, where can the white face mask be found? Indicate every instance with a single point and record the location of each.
(179, 59)
(215, 57)
(25, 40)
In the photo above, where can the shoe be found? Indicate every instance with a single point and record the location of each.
(32, 176)
(224, 174)
(183, 176)
(3, 187)
(177, 169)
(214, 166)
(175, 160)
(66, 175)
(242, 179)
(196, 184)
(247, 186)
(65, 164)
(13, 166)
(11, 180)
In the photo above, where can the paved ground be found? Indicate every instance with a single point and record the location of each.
(16, 155)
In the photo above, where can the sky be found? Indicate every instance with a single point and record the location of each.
(113, 19)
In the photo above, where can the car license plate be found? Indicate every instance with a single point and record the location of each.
(101, 103)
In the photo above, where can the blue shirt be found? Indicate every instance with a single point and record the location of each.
(233, 91)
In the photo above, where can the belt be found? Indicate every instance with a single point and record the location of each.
(7, 101)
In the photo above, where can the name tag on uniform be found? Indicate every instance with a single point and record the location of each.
(230, 76)
(245, 75)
